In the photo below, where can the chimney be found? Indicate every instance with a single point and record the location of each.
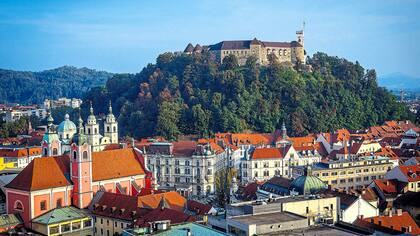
(409, 228)
(361, 217)
(399, 212)
(390, 213)
(380, 222)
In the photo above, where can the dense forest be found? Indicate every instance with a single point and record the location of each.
(26, 87)
(192, 94)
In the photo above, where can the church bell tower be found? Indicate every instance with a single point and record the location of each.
(111, 126)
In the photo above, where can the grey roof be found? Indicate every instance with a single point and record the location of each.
(269, 218)
(60, 215)
(245, 44)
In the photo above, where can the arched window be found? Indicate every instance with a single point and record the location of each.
(88, 130)
(59, 203)
(96, 131)
(18, 206)
(45, 152)
(277, 172)
(107, 129)
(256, 174)
(55, 151)
(115, 129)
(67, 136)
(74, 155)
(208, 189)
(266, 173)
(85, 155)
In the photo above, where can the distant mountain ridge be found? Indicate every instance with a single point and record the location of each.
(26, 87)
(397, 81)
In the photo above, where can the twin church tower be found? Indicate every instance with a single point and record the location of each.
(57, 141)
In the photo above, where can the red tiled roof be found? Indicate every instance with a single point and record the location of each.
(268, 153)
(115, 164)
(184, 148)
(20, 152)
(43, 173)
(392, 186)
(116, 206)
(411, 172)
(393, 223)
(160, 214)
(198, 207)
(174, 200)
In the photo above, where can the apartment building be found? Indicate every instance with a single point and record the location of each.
(350, 173)
(188, 167)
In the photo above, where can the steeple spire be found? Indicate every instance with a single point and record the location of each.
(110, 107)
(283, 131)
(80, 124)
(91, 108)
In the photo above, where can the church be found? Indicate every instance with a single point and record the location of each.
(73, 168)
(57, 141)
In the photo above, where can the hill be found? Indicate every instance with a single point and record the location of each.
(27, 87)
(397, 81)
(192, 94)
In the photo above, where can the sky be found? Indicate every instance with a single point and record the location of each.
(124, 36)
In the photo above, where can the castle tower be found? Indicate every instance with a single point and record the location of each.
(300, 36)
(111, 126)
(92, 131)
(51, 144)
(81, 169)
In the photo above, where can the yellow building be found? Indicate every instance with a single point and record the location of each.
(350, 174)
(7, 165)
(64, 221)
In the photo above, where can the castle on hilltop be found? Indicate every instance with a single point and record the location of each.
(285, 52)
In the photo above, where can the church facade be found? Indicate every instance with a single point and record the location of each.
(72, 179)
(285, 52)
(57, 141)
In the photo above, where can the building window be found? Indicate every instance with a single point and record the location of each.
(55, 151)
(96, 131)
(209, 172)
(54, 230)
(198, 171)
(187, 163)
(176, 162)
(102, 231)
(43, 205)
(115, 223)
(59, 203)
(75, 225)
(266, 173)
(115, 129)
(18, 206)
(88, 130)
(256, 165)
(256, 174)
(177, 179)
(74, 155)
(177, 171)
(65, 227)
(122, 225)
(187, 171)
(85, 155)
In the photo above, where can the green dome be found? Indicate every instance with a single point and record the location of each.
(50, 137)
(66, 125)
(307, 184)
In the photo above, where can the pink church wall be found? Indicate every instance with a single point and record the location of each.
(109, 187)
(140, 182)
(57, 196)
(12, 198)
(37, 204)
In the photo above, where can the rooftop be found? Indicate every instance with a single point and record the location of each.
(269, 218)
(58, 215)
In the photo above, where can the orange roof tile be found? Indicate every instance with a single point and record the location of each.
(20, 152)
(174, 200)
(411, 172)
(268, 153)
(115, 164)
(395, 222)
(43, 173)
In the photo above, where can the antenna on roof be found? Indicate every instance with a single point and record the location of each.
(303, 26)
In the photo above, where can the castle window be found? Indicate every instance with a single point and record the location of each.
(55, 151)
(85, 155)
(74, 155)
(18, 206)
